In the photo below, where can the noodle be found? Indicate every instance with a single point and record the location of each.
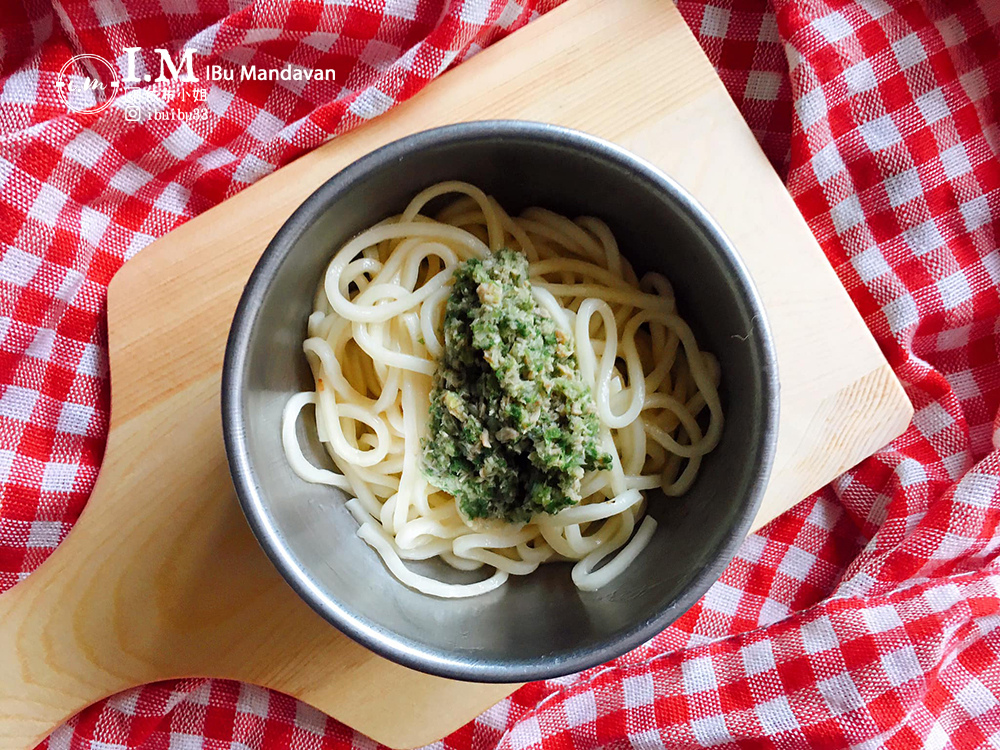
(373, 343)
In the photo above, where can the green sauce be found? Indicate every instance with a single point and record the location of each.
(512, 424)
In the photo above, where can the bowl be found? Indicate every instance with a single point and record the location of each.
(538, 626)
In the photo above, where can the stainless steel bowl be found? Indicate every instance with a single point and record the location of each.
(539, 626)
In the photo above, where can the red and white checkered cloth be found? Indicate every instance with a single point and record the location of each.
(868, 617)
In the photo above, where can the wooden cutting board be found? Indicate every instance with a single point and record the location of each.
(161, 577)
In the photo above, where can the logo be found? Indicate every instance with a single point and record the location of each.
(88, 84)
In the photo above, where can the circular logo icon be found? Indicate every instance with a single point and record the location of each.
(88, 84)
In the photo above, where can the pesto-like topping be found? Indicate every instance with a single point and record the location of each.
(512, 424)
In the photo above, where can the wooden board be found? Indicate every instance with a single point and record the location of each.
(161, 577)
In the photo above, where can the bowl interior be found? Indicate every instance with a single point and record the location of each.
(540, 625)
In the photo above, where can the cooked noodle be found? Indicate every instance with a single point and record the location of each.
(372, 344)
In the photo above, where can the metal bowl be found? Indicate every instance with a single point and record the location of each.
(539, 626)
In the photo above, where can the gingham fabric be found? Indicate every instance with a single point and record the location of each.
(867, 617)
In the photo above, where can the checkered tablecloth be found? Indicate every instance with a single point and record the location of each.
(868, 616)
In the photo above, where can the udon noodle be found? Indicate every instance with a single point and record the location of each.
(373, 341)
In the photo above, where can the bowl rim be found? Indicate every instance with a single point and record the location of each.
(379, 639)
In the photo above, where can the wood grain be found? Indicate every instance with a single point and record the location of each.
(161, 577)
